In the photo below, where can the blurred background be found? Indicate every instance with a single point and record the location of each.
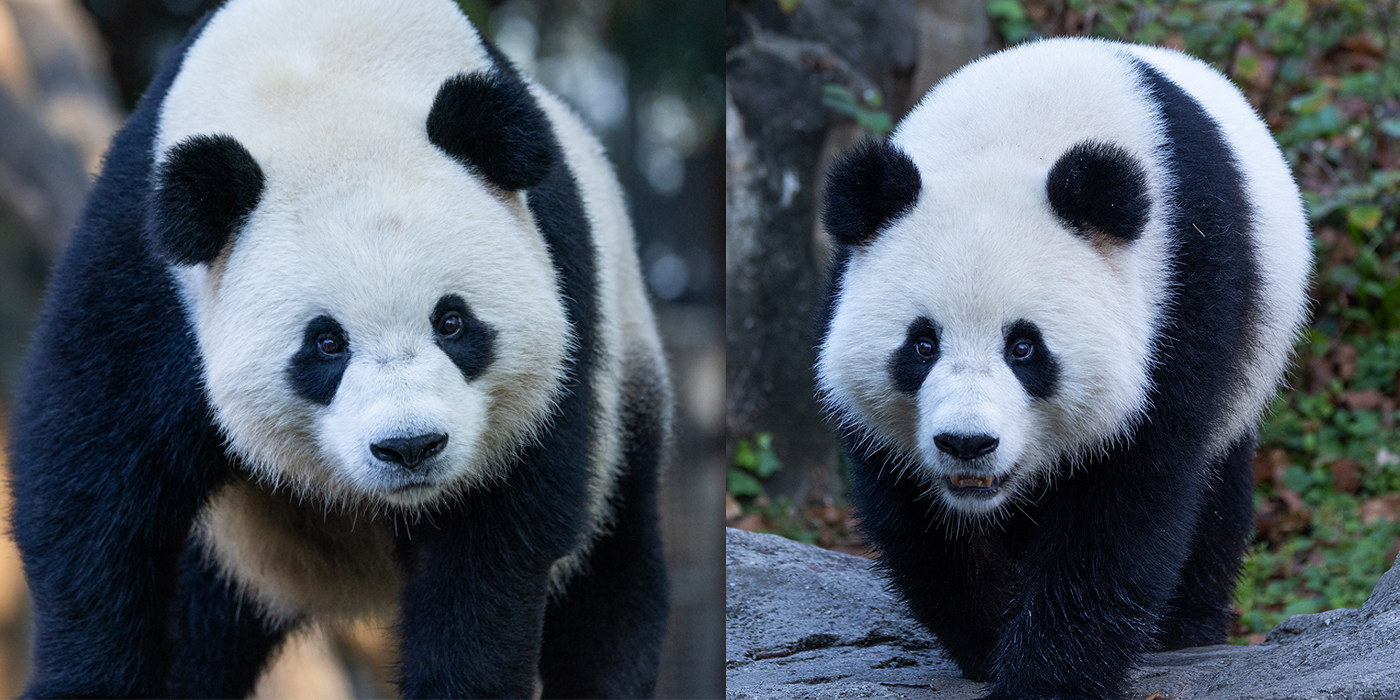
(807, 78)
(647, 76)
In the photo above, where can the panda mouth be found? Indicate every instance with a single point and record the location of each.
(973, 484)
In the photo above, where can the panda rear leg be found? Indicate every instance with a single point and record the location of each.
(1199, 611)
(220, 640)
(602, 636)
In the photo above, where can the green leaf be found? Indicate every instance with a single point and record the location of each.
(840, 99)
(1306, 606)
(767, 463)
(741, 484)
(1296, 479)
(743, 456)
(1364, 217)
(1006, 10)
(1311, 102)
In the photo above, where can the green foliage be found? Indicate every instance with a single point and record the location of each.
(751, 464)
(1010, 19)
(865, 109)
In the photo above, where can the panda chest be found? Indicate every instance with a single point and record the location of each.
(295, 558)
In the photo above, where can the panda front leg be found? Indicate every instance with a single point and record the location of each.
(603, 634)
(958, 584)
(472, 608)
(1097, 575)
(100, 523)
(1199, 611)
(99, 598)
(220, 640)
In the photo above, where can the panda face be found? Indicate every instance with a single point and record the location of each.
(377, 314)
(1004, 261)
(987, 345)
(387, 335)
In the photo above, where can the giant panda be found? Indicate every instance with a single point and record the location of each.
(1063, 293)
(352, 327)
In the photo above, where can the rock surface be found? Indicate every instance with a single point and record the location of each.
(803, 622)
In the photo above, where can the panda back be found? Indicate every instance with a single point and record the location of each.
(1278, 231)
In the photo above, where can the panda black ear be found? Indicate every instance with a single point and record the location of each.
(866, 190)
(203, 192)
(492, 124)
(1099, 189)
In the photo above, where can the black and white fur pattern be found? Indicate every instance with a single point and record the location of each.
(378, 346)
(1066, 290)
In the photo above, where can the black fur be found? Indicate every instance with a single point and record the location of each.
(1040, 372)
(1135, 548)
(584, 654)
(1098, 189)
(114, 447)
(115, 452)
(202, 194)
(313, 373)
(212, 622)
(472, 348)
(867, 190)
(491, 123)
(907, 366)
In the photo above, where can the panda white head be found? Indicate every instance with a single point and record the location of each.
(993, 320)
(377, 313)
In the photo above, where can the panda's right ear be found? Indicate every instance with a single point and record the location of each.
(866, 190)
(202, 193)
(491, 123)
(1100, 191)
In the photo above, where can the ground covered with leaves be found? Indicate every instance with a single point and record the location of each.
(1325, 75)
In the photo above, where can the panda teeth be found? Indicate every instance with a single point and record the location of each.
(970, 481)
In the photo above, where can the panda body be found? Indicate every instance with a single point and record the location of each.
(373, 342)
(1065, 292)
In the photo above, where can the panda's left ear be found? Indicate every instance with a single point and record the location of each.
(201, 194)
(492, 124)
(866, 190)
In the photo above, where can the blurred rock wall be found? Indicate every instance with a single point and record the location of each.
(779, 139)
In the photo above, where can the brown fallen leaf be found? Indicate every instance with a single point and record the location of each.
(1385, 508)
(1345, 475)
(1366, 400)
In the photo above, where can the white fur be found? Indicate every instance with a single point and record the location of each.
(982, 249)
(363, 219)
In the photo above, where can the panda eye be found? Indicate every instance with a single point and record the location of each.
(924, 347)
(330, 344)
(450, 325)
(1022, 349)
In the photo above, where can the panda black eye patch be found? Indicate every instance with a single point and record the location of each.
(467, 340)
(317, 366)
(1032, 363)
(910, 363)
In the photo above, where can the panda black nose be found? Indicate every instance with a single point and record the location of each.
(965, 447)
(409, 451)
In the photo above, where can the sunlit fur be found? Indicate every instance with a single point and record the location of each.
(982, 249)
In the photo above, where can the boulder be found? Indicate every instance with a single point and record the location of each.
(803, 622)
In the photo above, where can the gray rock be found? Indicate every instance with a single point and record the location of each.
(803, 622)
